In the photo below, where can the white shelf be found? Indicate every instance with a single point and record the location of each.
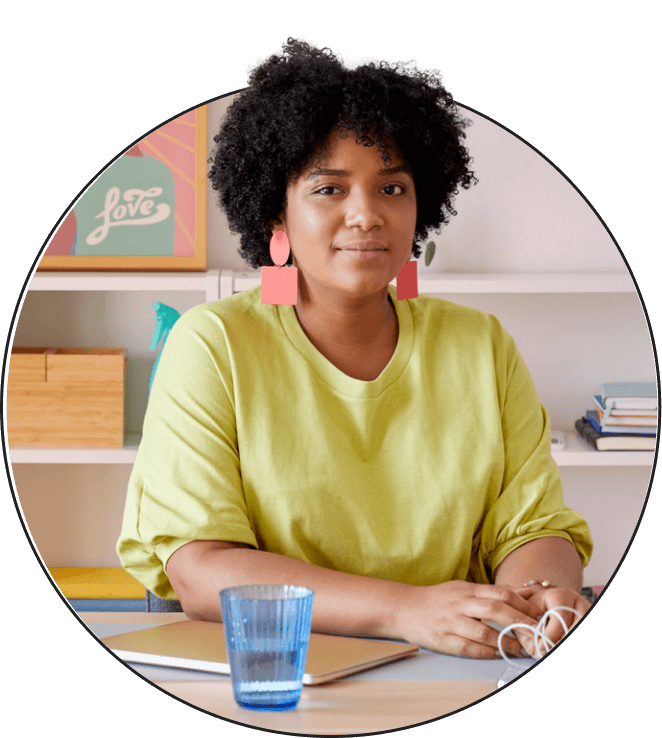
(454, 283)
(77, 455)
(220, 283)
(577, 452)
(526, 283)
(207, 282)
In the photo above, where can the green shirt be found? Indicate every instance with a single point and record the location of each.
(434, 471)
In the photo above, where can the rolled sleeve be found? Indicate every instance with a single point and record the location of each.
(530, 502)
(186, 482)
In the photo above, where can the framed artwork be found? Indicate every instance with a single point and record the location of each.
(147, 211)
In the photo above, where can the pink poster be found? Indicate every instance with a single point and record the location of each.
(147, 210)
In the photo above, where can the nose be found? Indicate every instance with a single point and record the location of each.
(363, 211)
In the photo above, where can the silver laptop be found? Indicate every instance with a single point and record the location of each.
(200, 645)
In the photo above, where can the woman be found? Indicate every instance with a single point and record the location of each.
(389, 454)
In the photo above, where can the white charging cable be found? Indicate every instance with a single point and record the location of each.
(538, 633)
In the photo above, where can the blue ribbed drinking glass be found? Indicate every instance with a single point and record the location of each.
(267, 628)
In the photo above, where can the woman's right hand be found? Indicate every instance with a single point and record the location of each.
(453, 618)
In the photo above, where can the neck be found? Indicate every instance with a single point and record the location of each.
(345, 319)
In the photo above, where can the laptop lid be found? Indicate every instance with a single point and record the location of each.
(200, 645)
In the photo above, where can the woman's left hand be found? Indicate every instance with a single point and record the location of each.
(547, 599)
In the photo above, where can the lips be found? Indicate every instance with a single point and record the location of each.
(364, 246)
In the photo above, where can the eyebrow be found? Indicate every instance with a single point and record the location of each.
(344, 173)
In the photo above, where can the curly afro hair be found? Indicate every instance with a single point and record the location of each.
(279, 124)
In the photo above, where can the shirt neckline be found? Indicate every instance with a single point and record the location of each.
(337, 379)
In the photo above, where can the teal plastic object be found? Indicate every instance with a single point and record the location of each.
(166, 317)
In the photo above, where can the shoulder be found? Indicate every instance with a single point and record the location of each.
(239, 315)
(432, 315)
(463, 337)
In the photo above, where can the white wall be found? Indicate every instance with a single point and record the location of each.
(523, 216)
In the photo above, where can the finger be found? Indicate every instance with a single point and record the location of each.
(457, 645)
(484, 633)
(557, 625)
(564, 598)
(558, 622)
(497, 611)
(526, 592)
(511, 646)
(582, 605)
(526, 639)
(511, 598)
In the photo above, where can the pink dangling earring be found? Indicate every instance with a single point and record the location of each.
(407, 281)
(278, 284)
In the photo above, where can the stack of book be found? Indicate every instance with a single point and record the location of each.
(624, 418)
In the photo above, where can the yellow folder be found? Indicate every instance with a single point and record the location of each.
(96, 583)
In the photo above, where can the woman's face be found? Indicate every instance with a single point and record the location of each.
(350, 218)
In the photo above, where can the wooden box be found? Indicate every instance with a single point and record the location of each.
(66, 397)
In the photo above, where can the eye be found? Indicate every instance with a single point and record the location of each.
(326, 190)
(394, 189)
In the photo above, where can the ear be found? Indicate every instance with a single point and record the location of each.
(277, 225)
